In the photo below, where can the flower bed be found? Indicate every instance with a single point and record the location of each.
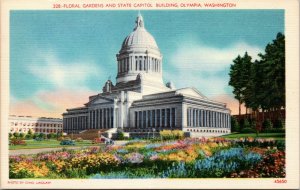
(188, 158)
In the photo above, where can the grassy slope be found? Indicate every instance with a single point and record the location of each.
(32, 144)
(276, 136)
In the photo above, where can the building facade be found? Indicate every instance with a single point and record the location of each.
(22, 124)
(141, 102)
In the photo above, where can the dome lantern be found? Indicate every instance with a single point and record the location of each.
(139, 22)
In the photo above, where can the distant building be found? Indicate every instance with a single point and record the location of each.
(22, 124)
(141, 102)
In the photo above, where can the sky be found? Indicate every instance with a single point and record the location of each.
(60, 58)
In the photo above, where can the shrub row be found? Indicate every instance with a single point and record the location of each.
(274, 130)
(67, 142)
(171, 135)
(251, 126)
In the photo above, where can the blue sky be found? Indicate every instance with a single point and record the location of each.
(57, 53)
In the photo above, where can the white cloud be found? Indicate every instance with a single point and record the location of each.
(62, 85)
(203, 66)
(64, 75)
(206, 58)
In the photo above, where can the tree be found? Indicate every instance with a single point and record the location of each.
(28, 136)
(59, 134)
(48, 136)
(42, 135)
(247, 80)
(235, 80)
(35, 135)
(256, 88)
(234, 124)
(30, 132)
(244, 123)
(273, 64)
(267, 124)
(239, 79)
(51, 135)
(279, 124)
(22, 135)
(16, 134)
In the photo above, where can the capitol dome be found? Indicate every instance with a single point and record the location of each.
(140, 37)
(139, 54)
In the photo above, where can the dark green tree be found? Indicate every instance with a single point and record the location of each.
(273, 65)
(16, 134)
(48, 136)
(42, 135)
(35, 135)
(267, 124)
(30, 132)
(239, 79)
(234, 124)
(246, 80)
(235, 80)
(22, 135)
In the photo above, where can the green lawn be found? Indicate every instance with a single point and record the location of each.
(32, 144)
(276, 136)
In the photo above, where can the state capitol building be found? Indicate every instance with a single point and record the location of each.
(141, 102)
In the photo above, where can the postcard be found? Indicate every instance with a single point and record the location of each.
(149, 94)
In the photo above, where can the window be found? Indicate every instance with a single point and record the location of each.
(158, 118)
(101, 118)
(188, 117)
(208, 117)
(112, 117)
(95, 119)
(196, 118)
(104, 118)
(140, 65)
(168, 117)
(173, 117)
(148, 118)
(163, 116)
(140, 119)
(144, 118)
(153, 118)
(135, 119)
